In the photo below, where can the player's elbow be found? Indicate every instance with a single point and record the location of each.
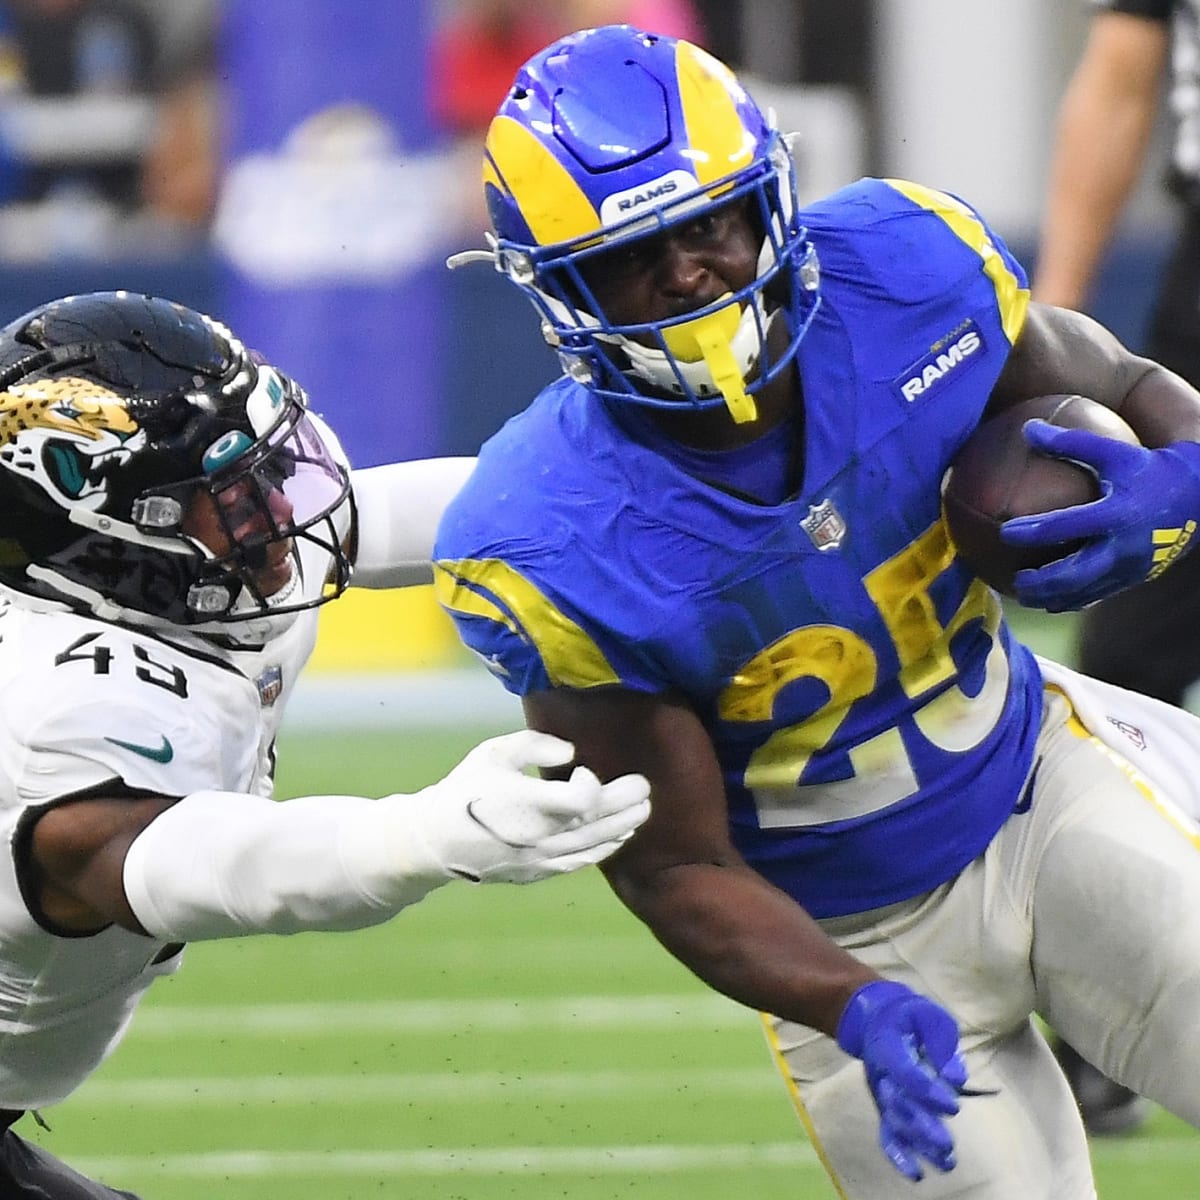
(652, 889)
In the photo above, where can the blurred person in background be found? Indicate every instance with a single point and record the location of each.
(107, 123)
(172, 514)
(475, 50)
(179, 173)
(676, 18)
(478, 46)
(1148, 638)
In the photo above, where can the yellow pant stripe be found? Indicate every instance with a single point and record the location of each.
(798, 1103)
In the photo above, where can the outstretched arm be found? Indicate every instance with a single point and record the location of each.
(223, 864)
(1104, 127)
(399, 506)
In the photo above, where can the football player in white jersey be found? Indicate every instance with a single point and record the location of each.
(171, 515)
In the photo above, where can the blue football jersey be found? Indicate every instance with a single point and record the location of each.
(872, 714)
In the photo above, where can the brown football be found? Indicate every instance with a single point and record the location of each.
(997, 475)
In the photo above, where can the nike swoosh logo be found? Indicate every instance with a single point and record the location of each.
(160, 754)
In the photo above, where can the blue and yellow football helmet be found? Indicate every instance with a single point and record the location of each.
(613, 134)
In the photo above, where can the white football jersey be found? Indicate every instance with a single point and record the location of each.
(84, 703)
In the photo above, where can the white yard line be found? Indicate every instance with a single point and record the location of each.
(427, 1086)
(412, 1016)
(460, 1160)
(519, 1160)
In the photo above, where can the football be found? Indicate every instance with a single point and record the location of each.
(997, 475)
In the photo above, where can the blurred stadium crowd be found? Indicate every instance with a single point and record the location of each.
(202, 150)
(108, 127)
(110, 110)
(303, 170)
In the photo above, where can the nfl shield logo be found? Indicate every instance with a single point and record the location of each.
(269, 684)
(824, 525)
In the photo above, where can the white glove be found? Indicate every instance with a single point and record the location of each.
(223, 864)
(489, 822)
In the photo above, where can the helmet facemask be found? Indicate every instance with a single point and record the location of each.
(261, 498)
(719, 354)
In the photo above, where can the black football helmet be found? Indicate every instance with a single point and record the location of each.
(117, 413)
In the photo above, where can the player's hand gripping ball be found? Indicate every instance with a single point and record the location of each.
(997, 475)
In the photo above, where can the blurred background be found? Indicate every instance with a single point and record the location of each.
(302, 171)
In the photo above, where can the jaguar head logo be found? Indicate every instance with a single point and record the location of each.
(67, 435)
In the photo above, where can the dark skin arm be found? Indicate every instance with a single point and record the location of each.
(680, 873)
(1064, 351)
(77, 857)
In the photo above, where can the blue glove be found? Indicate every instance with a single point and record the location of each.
(1146, 516)
(909, 1046)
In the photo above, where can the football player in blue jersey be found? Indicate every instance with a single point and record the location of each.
(713, 552)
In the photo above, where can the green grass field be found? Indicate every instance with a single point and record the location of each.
(530, 1043)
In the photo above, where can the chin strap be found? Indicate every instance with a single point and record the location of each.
(709, 338)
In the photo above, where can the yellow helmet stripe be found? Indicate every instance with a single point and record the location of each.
(719, 140)
(570, 656)
(552, 203)
(1012, 299)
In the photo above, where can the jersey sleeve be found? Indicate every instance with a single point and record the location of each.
(532, 639)
(542, 584)
(1006, 276)
(898, 258)
(1155, 10)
